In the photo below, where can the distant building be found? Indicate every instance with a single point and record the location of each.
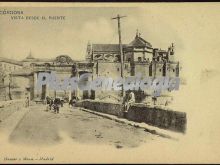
(25, 79)
(139, 57)
(7, 66)
(101, 60)
(30, 61)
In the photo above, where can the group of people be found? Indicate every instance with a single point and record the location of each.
(54, 104)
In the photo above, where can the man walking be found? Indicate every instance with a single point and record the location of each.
(57, 103)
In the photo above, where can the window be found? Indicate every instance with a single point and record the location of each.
(150, 70)
(126, 66)
(139, 59)
(118, 69)
(173, 70)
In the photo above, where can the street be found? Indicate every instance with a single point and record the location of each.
(41, 127)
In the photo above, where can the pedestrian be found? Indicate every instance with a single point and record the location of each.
(47, 103)
(57, 104)
(72, 101)
(51, 103)
(130, 101)
(27, 102)
(154, 100)
(166, 103)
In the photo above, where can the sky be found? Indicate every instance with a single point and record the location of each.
(193, 29)
(52, 38)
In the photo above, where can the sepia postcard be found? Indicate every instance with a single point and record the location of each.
(109, 82)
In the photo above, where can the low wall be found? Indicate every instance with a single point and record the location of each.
(155, 116)
(7, 108)
(19, 102)
(104, 107)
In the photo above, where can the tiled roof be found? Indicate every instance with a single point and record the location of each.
(106, 47)
(2, 59)
(139, 42)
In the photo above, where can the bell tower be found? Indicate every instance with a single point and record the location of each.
(89, 52)
(171, 53)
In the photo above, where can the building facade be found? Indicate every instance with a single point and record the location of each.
(7, 66)
(139, 57)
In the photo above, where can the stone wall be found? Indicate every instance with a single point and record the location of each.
(155, 116)
(142, 68)
(159, 117)
(110, 69)
(104, 107)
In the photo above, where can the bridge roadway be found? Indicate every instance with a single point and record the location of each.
(41, 127)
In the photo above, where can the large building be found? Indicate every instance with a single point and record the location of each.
(25, 79)
(139, 56)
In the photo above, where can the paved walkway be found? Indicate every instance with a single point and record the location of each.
(39, 127)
